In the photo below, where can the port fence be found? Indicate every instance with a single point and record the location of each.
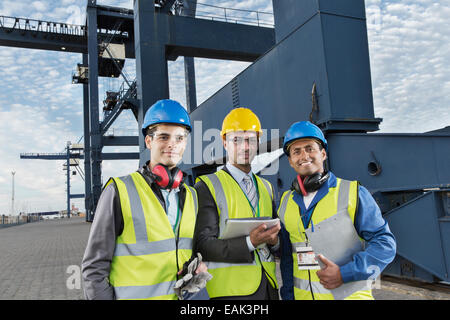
(9, 221)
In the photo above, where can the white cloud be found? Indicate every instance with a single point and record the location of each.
(39, 5)
(53, 73)
(11, 8)
(409, 54)
(66, 2)
(33, 88)
(28, 129)
(117, 3)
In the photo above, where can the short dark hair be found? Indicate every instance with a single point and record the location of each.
(321, 146)
(152, 129)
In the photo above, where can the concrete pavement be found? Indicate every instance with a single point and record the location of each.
(34, 259)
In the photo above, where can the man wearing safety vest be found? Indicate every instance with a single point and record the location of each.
(242, 267)
(144, 222)
(325, 221)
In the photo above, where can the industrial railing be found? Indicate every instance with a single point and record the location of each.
(30, 25)
(9, 221)
(43, 154)
(203, 11)
(216, 13)
(25, 24)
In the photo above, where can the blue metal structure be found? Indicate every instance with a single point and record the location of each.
(314, 65)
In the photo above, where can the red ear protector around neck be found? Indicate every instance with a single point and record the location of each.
(167, 178)
(310, 183)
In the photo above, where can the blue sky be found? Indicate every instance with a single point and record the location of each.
(40, 109)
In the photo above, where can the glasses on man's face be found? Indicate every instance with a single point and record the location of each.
(241, 140)
(308, 149)
(165, 137)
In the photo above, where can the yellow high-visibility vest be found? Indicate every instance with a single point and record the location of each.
(238, 279)
(148, 254)
(339, 199)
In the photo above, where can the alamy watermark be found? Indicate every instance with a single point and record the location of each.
(73, 281)
(206, 146)
(374, 282)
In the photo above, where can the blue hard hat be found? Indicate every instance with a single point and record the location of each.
(166, 111)
(301, 130)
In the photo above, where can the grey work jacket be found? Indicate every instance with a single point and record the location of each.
(107, 226)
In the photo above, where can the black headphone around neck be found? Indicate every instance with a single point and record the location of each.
(310, 183)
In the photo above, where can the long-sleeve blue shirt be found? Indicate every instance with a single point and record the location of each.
(380, 244)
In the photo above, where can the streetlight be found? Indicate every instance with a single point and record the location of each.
(12, 199)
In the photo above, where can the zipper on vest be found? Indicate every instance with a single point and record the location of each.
(177, 236)
(176, 257)
(310, 286)
(262, 266)
(309, 271)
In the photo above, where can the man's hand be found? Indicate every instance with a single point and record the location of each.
(261, 235)
(329, 275)
(201, 268)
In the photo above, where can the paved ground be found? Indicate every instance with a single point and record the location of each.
(42, 261)
(396, 291)
(34, 259)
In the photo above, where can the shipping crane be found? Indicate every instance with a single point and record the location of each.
(74, 152)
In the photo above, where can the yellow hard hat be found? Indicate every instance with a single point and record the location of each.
(241, 119)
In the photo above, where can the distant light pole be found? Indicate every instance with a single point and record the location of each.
(12, 199)
(68, 178)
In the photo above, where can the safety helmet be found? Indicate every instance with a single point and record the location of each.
(166, 111)
(301, 130)
(241, 119)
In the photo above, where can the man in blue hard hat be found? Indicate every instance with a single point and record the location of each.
(144, 222)
(325, 221)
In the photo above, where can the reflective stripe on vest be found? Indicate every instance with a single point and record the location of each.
(145, 259)
(144, 248)
(228, 196)
(339, 200)
(142, 292)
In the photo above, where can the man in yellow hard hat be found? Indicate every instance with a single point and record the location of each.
(242, 267)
